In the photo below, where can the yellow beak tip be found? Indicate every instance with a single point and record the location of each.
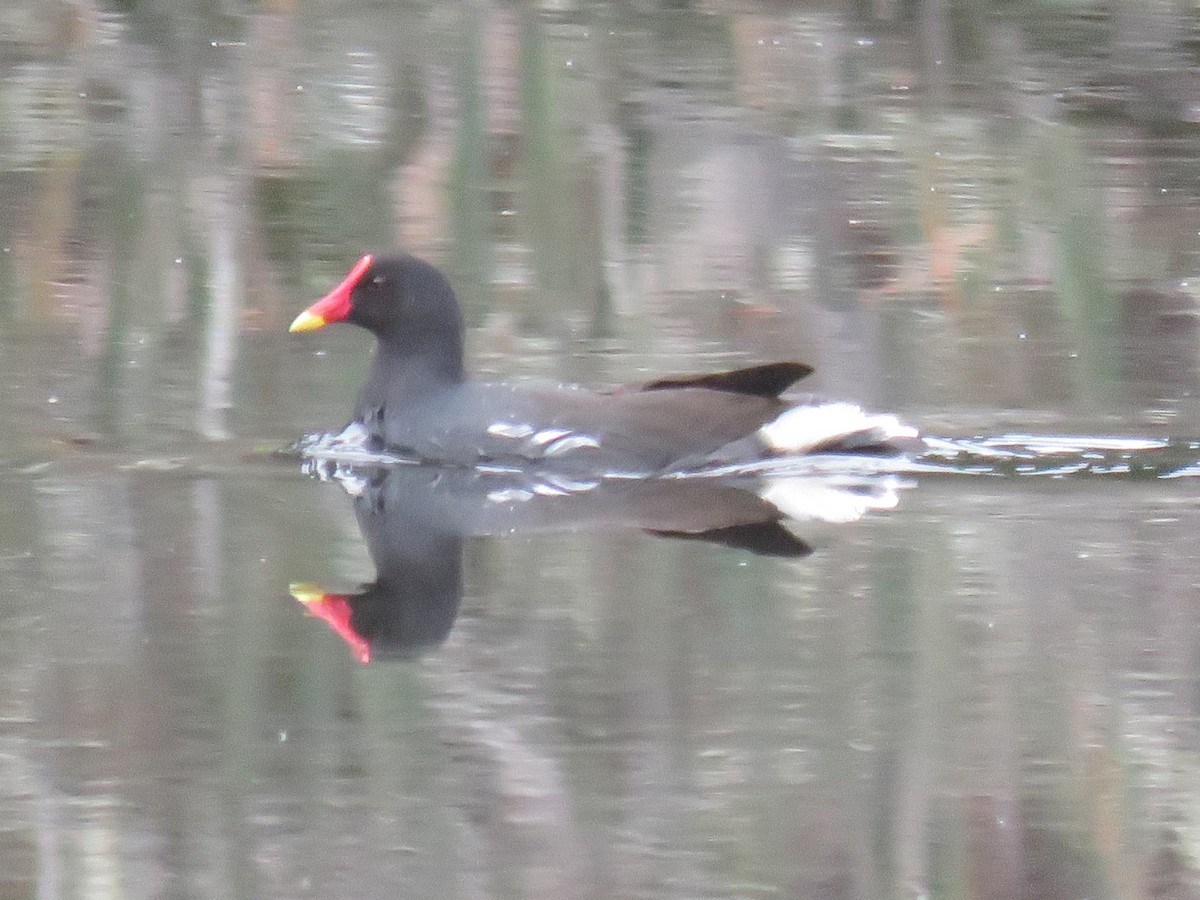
(305, 591)
(306, 321)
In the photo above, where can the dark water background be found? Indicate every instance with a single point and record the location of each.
(982, 216)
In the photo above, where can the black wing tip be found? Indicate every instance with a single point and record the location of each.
(759, 538)
(767, 380)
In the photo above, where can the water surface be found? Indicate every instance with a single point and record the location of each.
(984, 220)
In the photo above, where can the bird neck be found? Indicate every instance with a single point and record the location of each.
(415, 367)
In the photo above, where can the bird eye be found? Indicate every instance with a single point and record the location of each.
(377, 280)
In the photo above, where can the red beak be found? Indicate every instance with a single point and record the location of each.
(335, 610)
(334, 306)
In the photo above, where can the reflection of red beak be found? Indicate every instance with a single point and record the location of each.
(335, 610)
(334, 306)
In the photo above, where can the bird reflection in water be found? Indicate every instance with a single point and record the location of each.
(415, 519)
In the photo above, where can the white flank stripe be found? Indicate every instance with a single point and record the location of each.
(510, 429)
(571, 442)
(547, 435)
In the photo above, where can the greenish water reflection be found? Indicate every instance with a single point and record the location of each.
(983, 217)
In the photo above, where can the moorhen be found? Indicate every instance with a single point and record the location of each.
(416, 521)
(417, 401)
